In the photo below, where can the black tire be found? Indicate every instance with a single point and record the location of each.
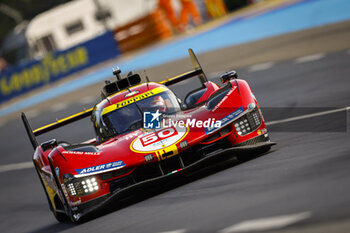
(61, 217)
(58, 215)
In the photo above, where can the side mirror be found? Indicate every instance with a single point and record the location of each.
(228, 76)
(49, 144)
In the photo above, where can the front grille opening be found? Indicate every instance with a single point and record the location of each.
(118, 184)
(190, 156)
(220, 133)
(146, 172)
(253, 141)
(106, 176)
(225, 131)
(212, 137)
(170, 165)
(116, 173)
(198, 152)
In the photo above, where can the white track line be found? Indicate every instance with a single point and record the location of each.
(59, 107)
(264, 224)
(263, 66)
(309, 58)
(307, 116)
(175, 231)
(16, 166)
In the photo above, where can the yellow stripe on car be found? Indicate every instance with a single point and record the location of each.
(133, 99)
(63, 120)
(172, 148)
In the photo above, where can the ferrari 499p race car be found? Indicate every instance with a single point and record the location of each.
(144, 134)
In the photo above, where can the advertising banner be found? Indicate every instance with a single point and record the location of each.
(55, 66)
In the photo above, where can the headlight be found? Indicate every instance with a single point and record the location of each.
(81, 186)
(248, 122)
(71, 189)
(90, 185)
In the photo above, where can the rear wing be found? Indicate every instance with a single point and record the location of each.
(59, 123)
(198, 71)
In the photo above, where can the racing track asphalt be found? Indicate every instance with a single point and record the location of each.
(304, 181)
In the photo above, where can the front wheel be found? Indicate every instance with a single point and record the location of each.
(57, 207)
(58, 212)
(61, 212)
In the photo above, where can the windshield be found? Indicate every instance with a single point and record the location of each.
(130, 117)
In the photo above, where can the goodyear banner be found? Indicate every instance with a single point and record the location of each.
(55, 66)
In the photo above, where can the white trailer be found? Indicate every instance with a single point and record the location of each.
(80, 20)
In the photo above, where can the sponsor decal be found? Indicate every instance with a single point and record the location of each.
(133, 99)
(158, 139)
(151, 120)
(224, 120)
(107, 166)
(131, 135)
(80, 153)
(44, 71)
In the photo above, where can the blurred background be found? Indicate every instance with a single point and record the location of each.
(44, 41)
(32, 28)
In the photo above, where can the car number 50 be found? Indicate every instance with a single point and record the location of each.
(162, 134)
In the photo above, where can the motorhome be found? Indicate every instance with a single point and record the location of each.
(80, 20)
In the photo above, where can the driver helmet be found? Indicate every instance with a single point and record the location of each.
(158, 103)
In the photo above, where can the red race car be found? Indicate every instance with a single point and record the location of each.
(145, 134)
